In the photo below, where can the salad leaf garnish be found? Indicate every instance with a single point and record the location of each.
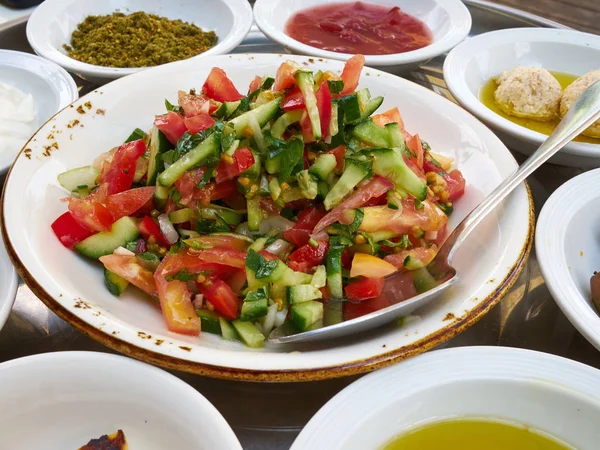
(171, 107)
(259, 294)
(335, 86)
(259, 265)
(358, 218)
(289, 153)
(182, 275)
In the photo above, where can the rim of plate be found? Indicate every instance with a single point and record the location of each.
(348, 368)
(175, 383)
(8, 292)
(460, 26)
(240, 9)
(459, 363)
(455, 67)
(557, 213)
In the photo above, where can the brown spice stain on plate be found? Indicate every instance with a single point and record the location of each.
(27, 153)
(449, 316)
(159, 342)
(187, 349)
(100, 111)
(144, 335)
(81, 304)
(73, 123)
(48, 149)
(88, 105)
(80, 109)
(580, 252)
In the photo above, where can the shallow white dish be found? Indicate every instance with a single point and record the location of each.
(552, 394)
(52, 23)
(8, 285)
(568, 250)
(51, 87)
(73, 287)
(60, 401)
(471, 64)
(449, 21)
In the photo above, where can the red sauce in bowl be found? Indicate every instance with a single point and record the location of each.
(358, 28)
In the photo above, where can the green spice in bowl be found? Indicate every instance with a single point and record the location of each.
(137, 40)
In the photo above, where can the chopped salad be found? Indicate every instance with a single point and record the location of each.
(283, 207)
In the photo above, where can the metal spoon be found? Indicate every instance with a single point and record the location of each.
(584, 112)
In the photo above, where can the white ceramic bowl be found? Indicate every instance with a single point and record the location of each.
(53, 22)
(568, 249)
(449, 21)
(471, 64)
(51, 87)
(59, 401)
(8, 285)
(554, 395)
(74, 288)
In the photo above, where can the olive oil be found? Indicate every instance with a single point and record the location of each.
(474, 434)
(487, 98)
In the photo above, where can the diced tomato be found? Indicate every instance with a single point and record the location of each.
(376, 187)
(221, 240)
(354, 310)
(376, 201)
(307, 131)
(267, 205)
(268, 255)
(307, 256)
(430, 166)
(425, 255)
(129, 268)
(221, 296)
(309, 218)
(255, 84)
(237, 280)
(220, 88)
(324, 106)
(390, 116)
(198, 123)
(411, 163)
(128, 202)
(293, 99)
(243, 159)
(441, 235)
(90, 214)
(364, 289)
(212, 270)
(456, 184)
(148, 227)
(285, 77)
(228, 257)
(172, 125)
(223, 190)
(351, 74)
(236, 201)
(120, 172)
(187, 185)
(195, 104)
(297, 236)
(69, 231)
(369, 266)
(339, 153)
(415, 147)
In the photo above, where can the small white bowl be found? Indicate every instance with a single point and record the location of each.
(58, 401)
(471, 64)
(449, 21)
(53, 22)
(548, 393)
(8, 285)
(568, 250)
(51, 87)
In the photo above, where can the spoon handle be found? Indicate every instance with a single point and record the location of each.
(584, 112)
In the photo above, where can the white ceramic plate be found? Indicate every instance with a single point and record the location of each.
(51, 87)
(73, 287)
(551, 394)
(59, 401)
(449, 21)
(52, 23)
(471, 64)
(568, 249)
(8, 285)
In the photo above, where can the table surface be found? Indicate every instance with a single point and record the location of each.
(270, 416)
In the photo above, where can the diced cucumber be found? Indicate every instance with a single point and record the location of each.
(333, 263)
(308, 186)
(285, 276)
(182, 216)
(353, 174)
(322, 190)
(114, 283)
(381, 235)
(227, 330)
(274, 188)
(253, 172)
(136, 135)
(302, 293)
(285, 121)
(389, 164)
(395, 135)
(423, 280)
(371, 134)
(323, 166)
(304, 315)
(258, 244)
(161, 194)
(196, 156)
(213, 212)
(158, 145)
(412, 263)
(104, 243)
(81, 192)
(291, 194)
(333, 312)
(231, 108)
(319, 278)
(82, 176)
(249, 334)
(255, 215)
(262, 114)
(446, 207)
(252, 310)
(209, 321)
(306, 84)
(334, 127)
(350, 107)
